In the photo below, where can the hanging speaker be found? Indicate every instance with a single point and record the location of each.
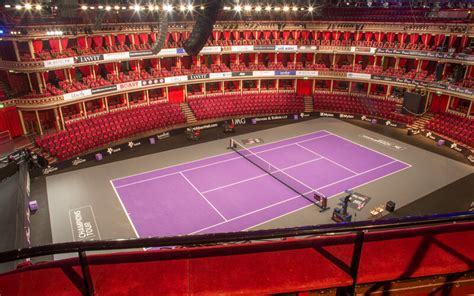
(160, 40)
(203, 28)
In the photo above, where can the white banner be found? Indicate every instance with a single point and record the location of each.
(358, 75)
(286, 47)
(116, 56)
(168, 51)
(220, 75)
(263, 73)
(58, 63)
(77, 94)
(241, 48)
(211, 49)
(305, 48)
(127, 85)
(307, 73)
(176, 79)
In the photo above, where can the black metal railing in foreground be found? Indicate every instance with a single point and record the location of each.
(358, 228)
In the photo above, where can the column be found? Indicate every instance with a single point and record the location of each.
(368, 88)
(32, 50)
(126, 99)
(61, 116)
(241, 84)
(40, 82)
(277, 85)
(20, 114)
(204, 89)
(448, 104)
(56, 117)
(106, 99)
(15, 48)
(397, 62)
(258, 85)
(389, 89)
(39, 122)
(83, 104)
(29, 81)
(314, 86)
(332, 85)
(147, 96)
(350, 87)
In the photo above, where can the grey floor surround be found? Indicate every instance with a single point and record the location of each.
(90, 188)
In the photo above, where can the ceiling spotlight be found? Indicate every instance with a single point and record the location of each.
(27, 6)
(258, 8)
(136, 7)
(294, 8)
(18, 7)
(268, 8)
(101, 7)
(167, 7)
(310, 9)
(277, 8)
(8, 6)
(38, 7)
(285, 8)
(116, 7)
(238, 8)
(92, 7)
(202, 7)
(124, 7)
(151, 7)
(227, 8)
(190, 7)
(247, 7)
(182, 7)
(108, 8)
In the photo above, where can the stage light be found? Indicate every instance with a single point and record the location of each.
(136, 7)
(108, 8)
(168, 8)
(247, 7)
(227, 8)
(38, 7)
(8, 6)
(18, 7)
(285, 8)
(294, 8)
(151, 7)
(268, 8)
(258, 8)
(100, 7)
(116, 7)
(190, 7)
(277, 8)
(182, 8)
(92, 7)
(238, 8)
(27, 6)
(202, 7)
(311, 9)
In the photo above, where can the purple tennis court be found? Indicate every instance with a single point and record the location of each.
(228, 193)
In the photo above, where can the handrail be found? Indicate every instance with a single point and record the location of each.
(204, 239)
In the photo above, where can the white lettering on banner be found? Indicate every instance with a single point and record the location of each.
(303, 115)
(58, 63)
(112, 150)
(240, 121)
(77, 94)
(307, 73)
(359, 75)
(163, 135)
(324, 114)
(286, 47)
(430, 135)
(471, 158)
(241, 48)
(275, 117)
(307, 48)
(220, 75)
(78, 161)
(116, 56)
(455, 147)
(383, 142)
(168, 51)
(203, 127)
(211, 49)
(176, 79)
(346, 116)
(127, 85)
(83, 223)
(263, 73)
(132, 144)
(49, 170)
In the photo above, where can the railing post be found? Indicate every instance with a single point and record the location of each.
(86, 275)
(359, 241)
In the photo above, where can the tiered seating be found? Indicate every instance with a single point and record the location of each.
(361, 105)
(94, 132)
(455, 127)
(223, 106)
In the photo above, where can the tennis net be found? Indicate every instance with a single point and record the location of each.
(278, 174)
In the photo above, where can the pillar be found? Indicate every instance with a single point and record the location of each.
(15, 48)
(22, 121)
(39, 122)
(32, 50)
(62, 117)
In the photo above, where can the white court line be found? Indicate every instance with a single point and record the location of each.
(260, 176)
(203, 197)
(294, 197)
(373, 150)
(315, 153)
(192, 161)
(124, 209)
(214, 163)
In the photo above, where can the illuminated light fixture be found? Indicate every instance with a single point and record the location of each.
(247, 7)
(277, 8)
(27, 6)
(116, 7)
(294, 8)
(8, 6)
(227, 8)
(18, 7)
(182, 8)
(310, 9)
(168, 8)
(202, 7)
(124, 7)
(302, 8)
(238, 8)
(38, 7)
(100, 7)
(190, 7)
(151, 7)
(92, 7)
(285, 8)
(268, 8)
(258, 8)
(108, 8)
(136, 7)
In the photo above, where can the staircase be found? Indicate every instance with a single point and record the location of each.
(6, 89)
(190, 118)
(38, 151)
(308, 104)
(420, 123)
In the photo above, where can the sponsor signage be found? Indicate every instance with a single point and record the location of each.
(180, 51)
(263, 73)
(198, 76)
(220, 75)
(128, 85)
(143, 53)
(211, 49)
(241, 48)
(116, 56)
(325, 114)
(307, 48)
(77, 161)
(240, 121)
(88, 59)
(202, 127)
(168, 51)
(133, 144)
(58, 63)
(383, 142)
(49, 169)
(285, 73)
(269, 118)
(77, 94)
(153, 81)
(163, 135)
(176, 79)
(112, 150)
(239, 74)
(455, 146)
(264, 47)
(103, 89)
(358, 75)
(346, 116)
(83, 224)
(307, 73)
(286, 47)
